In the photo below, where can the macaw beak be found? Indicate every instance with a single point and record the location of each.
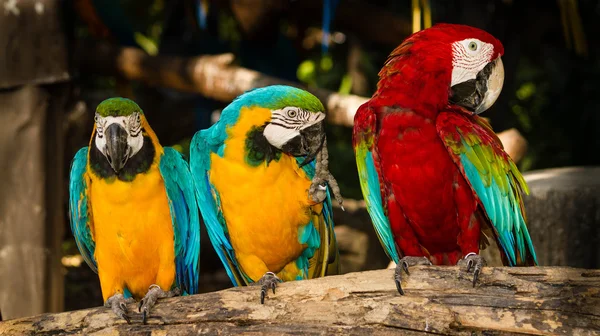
(308, 143)
(117, 148)
(479, 94)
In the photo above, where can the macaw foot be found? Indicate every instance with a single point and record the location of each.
(118, 304)
(476, 262)
(154, 293)
(403, 265)
(269, 280)
(318, 187)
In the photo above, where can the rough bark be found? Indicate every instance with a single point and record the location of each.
(440, 300)
(31, 208)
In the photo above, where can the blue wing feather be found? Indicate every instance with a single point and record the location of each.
(79, 208)
(371, 189)
(184, 214)
(494, 179)
(208, 201)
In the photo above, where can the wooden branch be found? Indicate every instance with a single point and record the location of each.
(212, 76)
(514, 143)
(441, 300)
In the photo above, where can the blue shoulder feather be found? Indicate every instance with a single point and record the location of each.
(184, 214)
(202, 145)
(79, 208)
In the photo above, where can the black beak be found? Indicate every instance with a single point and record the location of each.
(307, 144)
(117, 149)
(471, 94)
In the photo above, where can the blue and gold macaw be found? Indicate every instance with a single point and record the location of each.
(265, 200)
(133, 211)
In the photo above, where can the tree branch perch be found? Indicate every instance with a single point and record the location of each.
(439, 300)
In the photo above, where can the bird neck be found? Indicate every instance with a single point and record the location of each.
(411, 82)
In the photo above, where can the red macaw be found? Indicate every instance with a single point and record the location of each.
(435, 178)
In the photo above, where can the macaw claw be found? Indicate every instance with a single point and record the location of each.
(476, 262)
(269, 280)
(118, 304)
(403, 266)
(154, 293)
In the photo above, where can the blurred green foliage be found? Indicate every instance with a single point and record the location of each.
(551, 94)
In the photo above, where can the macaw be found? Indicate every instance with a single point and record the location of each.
(265, 200)
(133, 211)
(435, 177)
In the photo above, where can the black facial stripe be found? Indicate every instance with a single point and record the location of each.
(135, 133)
(282, 125)
(287, 120)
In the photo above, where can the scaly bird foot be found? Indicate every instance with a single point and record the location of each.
(269, 280)
(154, 293)
(476, 262)
(403, 265)
(118, 304)
(318, 187)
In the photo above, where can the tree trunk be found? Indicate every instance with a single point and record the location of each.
(440, 300)
(33, 60)
(31, 208)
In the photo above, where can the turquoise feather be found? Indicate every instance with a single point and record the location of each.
(184, 215)
(79, 208)
(369, 183)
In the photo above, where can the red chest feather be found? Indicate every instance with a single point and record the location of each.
(421, 182)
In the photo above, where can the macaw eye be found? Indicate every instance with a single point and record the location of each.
(473, 45)
(292, 113)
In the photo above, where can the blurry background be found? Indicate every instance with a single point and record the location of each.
(61, 58)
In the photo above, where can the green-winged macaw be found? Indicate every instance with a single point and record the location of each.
(435, 178)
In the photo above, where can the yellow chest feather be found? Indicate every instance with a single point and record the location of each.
(133, 231)
(264, 206)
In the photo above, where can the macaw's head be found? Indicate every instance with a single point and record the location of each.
(464, 59)
(296, 126)
(118, 131)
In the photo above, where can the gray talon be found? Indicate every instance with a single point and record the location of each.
(475, 262)
(154, 293)
(118, 305)
(269, 280)
(403, 265)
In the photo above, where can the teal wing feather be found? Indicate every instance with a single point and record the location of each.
(80, 210)
(202, 145)
(368, 171)
(495, 181)
(184, 215)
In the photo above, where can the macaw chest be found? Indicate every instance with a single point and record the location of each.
(132, 227)
(264, 207)
(422, 178)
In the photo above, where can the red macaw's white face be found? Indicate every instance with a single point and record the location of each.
(477, 78)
